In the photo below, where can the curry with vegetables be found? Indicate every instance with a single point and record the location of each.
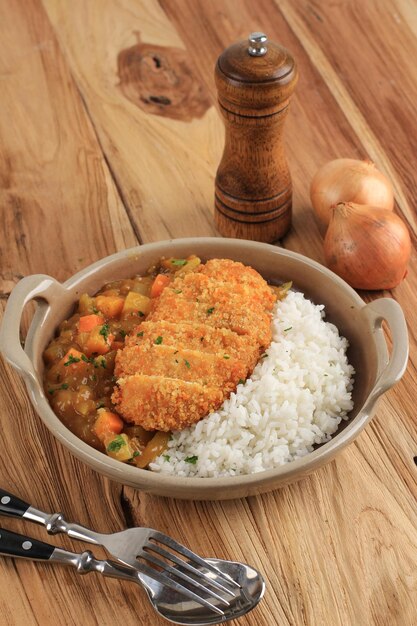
(155, 353)
(79, 373)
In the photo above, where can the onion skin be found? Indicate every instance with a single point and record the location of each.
(367, 246)
(349, 180)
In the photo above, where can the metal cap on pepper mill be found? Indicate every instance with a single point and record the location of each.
(255, 80)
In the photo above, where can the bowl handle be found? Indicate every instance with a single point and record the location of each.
(389, 310)
(29, 288)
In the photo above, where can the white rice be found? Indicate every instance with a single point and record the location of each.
(296, 397)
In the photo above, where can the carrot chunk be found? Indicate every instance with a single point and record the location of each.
(99, 341)
(159, 284)
(88, 322)
(107, 423)
(110, 306)
(73, 363)
(72, 356)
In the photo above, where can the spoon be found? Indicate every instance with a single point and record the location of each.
(170, 603)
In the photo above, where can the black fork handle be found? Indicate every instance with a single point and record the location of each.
(11, 505)
(12, 544)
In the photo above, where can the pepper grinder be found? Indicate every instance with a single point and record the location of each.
(255, 80)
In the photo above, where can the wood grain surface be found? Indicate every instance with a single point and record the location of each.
(99, 151)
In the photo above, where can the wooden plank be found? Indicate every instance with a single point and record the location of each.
(60, 210)
(338, 547)
(164, 165)
(321, 125)
(316, 128)
(35, 466)
(365, 78)
(56, 186)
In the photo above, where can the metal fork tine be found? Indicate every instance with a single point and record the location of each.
(175, 559)
(192, 556)
(168, 568)
(172, 584)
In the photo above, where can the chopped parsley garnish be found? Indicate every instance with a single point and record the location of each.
(158, 340)
(140, 334)
(179, 262)
(289, 328)
(115, 445)
(136, 453)
(187, 364)
(100, 405)
(177, 290)
(210, 310)
(240, 381)
(166, 457)
(123, 334)
(72, 359)
(141, 314)
(95, 310)
(96, 361)
(191, 459)
(104, 331)
(226, 356)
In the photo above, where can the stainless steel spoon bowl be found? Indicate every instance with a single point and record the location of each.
(173, 607)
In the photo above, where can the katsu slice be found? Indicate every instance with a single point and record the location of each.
(231, 314)
(206, 339)
(235, 272)
(203, 335)
(208, 289)
(159, 403)
(189, 365)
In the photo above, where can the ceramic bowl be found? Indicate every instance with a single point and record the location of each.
(376, 371)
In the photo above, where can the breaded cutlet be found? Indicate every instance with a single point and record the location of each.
(200, 337)
(230, 271)
(207, 288)
(203, 335)
(189, 365)
(160, 403)
(230, 312)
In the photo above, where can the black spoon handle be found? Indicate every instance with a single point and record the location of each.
(11, 505)
(12, 544)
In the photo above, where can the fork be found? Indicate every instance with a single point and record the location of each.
(145, 550)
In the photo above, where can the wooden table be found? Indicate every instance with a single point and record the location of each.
(90, 163)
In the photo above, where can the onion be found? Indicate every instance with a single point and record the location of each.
(349, 180)
(367, 246)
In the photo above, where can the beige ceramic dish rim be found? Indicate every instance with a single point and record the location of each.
(46, 288)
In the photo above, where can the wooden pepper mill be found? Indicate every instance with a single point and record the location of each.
(255, 80)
